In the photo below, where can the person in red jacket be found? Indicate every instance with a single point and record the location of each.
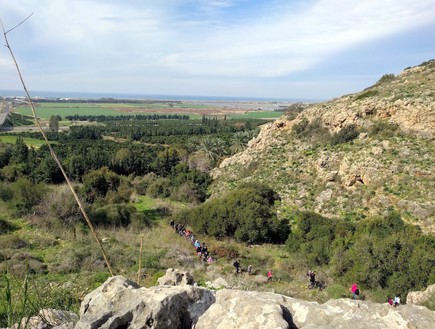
(269, 275)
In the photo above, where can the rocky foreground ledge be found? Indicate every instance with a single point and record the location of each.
(121, 303)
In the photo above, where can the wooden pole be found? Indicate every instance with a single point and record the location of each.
(140, 259)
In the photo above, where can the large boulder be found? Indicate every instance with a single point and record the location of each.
(121, 303)
(248, 309)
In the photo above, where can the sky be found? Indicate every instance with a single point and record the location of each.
(308, 49)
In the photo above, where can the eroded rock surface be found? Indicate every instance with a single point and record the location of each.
(120, 303)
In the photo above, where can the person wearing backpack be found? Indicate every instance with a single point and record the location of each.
(355, 291)
(236, 265)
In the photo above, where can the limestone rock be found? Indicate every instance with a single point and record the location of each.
(175, 277)
(218, 284)
(420, 297)
(49, 319)
(248, 309)
(120, 303)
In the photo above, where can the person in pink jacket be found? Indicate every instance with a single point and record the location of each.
(355, 291)
(269, 275)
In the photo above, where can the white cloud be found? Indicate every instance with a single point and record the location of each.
(195, 39)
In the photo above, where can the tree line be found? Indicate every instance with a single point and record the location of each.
(105, 118)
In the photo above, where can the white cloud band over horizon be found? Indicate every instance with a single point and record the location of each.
(317, 49)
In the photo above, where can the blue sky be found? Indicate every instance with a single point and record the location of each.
(317, 49)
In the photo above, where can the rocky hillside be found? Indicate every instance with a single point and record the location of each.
(362, 154)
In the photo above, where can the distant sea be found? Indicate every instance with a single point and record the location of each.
(93, 95)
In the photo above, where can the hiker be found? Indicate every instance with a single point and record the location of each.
(204, 248)
(209, 260)
(236, 265)
(396, 301)
(390, 301)
(269, 276)
(249, 269)
(355, 291)
(198, 251)
(312, 276)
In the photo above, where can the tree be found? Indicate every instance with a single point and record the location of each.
(27, 195)
(20, 152)
(98, 182)
(54, 123)
(246, 214)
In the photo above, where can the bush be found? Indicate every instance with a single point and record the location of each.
(141, 184)
(366, 94)
(223, 251)
(345, 135)
(6, 227)
(313, 131)
(383, 130)
(380, 253)
(245, 214)
(160, 188)
(6, 192)
(27, 195)
(312, 236)
(113, 215)
(386, 78)
(97, 183)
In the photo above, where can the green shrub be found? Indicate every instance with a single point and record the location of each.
(312, 131)
(345, 135)
(6, 227)
(383, 130)
(159, 188)
(6, 192)
(245, 214)
(27, 195)
(386, 78)
(312, 236)
(366, 94)
(113, 215)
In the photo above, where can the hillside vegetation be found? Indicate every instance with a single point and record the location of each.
(360, 155)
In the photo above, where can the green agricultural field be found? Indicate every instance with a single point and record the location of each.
(32, 142)
(195, 110)
(45, 111)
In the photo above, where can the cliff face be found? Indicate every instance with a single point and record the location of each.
(316, 164)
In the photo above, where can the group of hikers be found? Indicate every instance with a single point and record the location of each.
(237, 270)
(201, 250)
(203, 254)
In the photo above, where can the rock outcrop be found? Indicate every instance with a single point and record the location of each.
(120, 303)
(421, 297)
(175, 277)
